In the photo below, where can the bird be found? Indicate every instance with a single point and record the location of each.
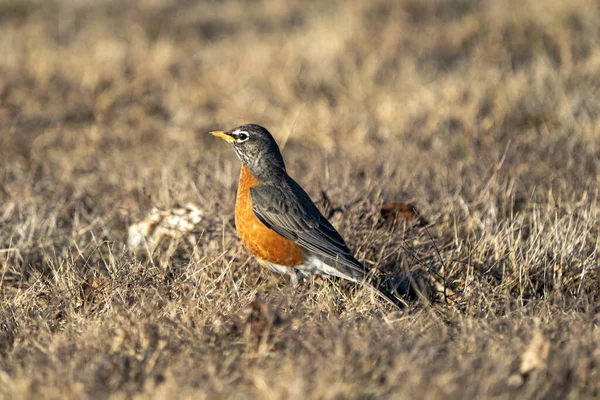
(279, 224)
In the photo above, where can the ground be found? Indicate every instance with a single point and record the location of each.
(481, 114)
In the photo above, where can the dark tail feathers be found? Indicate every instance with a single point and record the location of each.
(387, 295)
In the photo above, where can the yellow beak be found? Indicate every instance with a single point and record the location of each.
(223, 135)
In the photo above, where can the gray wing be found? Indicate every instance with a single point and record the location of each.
(290, 212)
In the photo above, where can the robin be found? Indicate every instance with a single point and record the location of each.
(277, 221)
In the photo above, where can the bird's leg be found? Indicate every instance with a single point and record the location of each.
(293, 278)
(298, 276)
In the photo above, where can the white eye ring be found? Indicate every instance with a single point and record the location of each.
(242, 137)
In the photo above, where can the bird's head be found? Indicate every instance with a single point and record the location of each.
(254, 146)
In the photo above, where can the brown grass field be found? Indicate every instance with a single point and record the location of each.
(485, 115)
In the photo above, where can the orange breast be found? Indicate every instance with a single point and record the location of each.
(264, 243)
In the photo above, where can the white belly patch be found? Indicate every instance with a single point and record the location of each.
(311, 266)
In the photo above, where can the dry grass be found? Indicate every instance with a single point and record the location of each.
(483, 115)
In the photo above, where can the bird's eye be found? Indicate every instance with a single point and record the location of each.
(242, 137)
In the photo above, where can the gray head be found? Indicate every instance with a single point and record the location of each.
(255, 147)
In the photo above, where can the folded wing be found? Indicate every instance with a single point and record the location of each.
(289, 211)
